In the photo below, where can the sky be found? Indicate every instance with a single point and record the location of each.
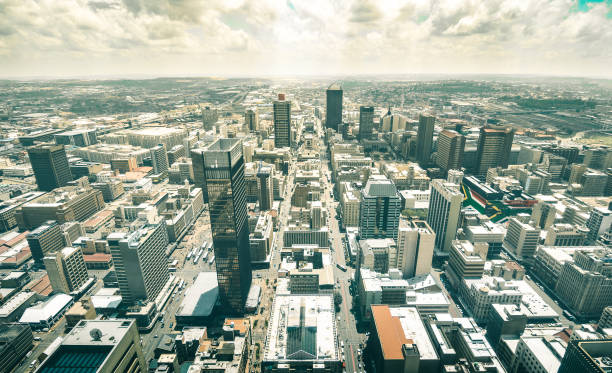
(70, 38)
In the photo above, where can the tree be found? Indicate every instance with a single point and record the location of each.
(337, 300)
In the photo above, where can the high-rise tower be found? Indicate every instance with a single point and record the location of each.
(333, 111)
(443, 214)
(366, 122)
(380, 209)
(50, 166)
(425, 138)
(224, 172)
(450, 150)
(282, 122)
(159, 158)
(494, 146)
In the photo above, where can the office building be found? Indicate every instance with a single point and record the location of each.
(443, 214)
(159, 159)
(227, 354)
(123, 165)
(66, 269)
(199, 177)
(50, 166)
(333, 109)
(251, 119)
(381, 206)
(494, 148)
(584, 284)
(598, 158)
(450, 150)
(140, 260)
(265, 187)
(466, 260)
(605, 321)
(98, 346)
(282, 122)
(45, 239)
(70, 203)
(505, 320)
(425, 138)
(15, 342)
(302, 335)
(366, 122)
(260, 239)
(600, 221)
(376, 254)
(400, 342)
(587, 356)
(539, 354)
(176, 152)
(521, 239)
(209, 117)
(415, 247)
(78, 137)
(566, 235)
(224, 173)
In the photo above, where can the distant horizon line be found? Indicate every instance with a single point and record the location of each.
(143, 76)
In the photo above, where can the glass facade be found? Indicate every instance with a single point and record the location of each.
(224, 173)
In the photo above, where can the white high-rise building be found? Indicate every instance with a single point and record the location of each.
(415, 247)
(66, 269)
(443, 215)
(521, 239)
(159, 158)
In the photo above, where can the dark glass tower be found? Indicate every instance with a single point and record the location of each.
(224, 172)
(366, 122)
(282, 122)
(333, 111)
(425, 138)
(50, 166)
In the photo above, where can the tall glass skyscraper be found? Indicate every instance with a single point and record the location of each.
(366, 122)
(333, 111)
(225, 185)
(282, 122)
(425, 139)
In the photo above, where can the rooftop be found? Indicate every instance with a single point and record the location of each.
(201, 297)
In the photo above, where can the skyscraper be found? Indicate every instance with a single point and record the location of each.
(494, 146)
(224, 172)
(333, 111)
(425, 138)
(140, 260)
(282, 122)
(415, 247)
(251, 119)
(197, 163)
(380, 209)
(265, 187)
(44, 239)
(66, 269)
(50, 166)
(450, 150)
(443, 214)
(366, 122)
(159, 158)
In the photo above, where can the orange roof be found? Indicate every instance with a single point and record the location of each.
(390, 332)
(41, 286)
(97, 257)
(241, 325)
(98, 218)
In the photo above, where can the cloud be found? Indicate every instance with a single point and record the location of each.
(317, 36)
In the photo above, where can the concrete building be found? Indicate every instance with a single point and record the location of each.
(66, 269)
(111, 190)
(415, 247)
(537, 354)
(44, 239)
(600, 221)
(521, 239)
(99, 346)
(378, 288)
(494, 148)
(486, 232)
(46, 314)
(450, 150)
(265, 186)
(78, 137)
(70, 203)
(380, 209)
(227, 354)
(566, 235)
(605, 321)
(505, 320)
(585, 284)
(159, 159)
(15, 342)
(466, 260)
(81, 310)
(377, 254)
(50, 166)
(302, 335)
(140, 260)
(251, 119)
(282, 122)
(123, 165)
(443, 214)
(260, 240)
(588, 356)
(199, 302)
(400, 342)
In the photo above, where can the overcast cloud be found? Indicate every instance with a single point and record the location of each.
(262, 37)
